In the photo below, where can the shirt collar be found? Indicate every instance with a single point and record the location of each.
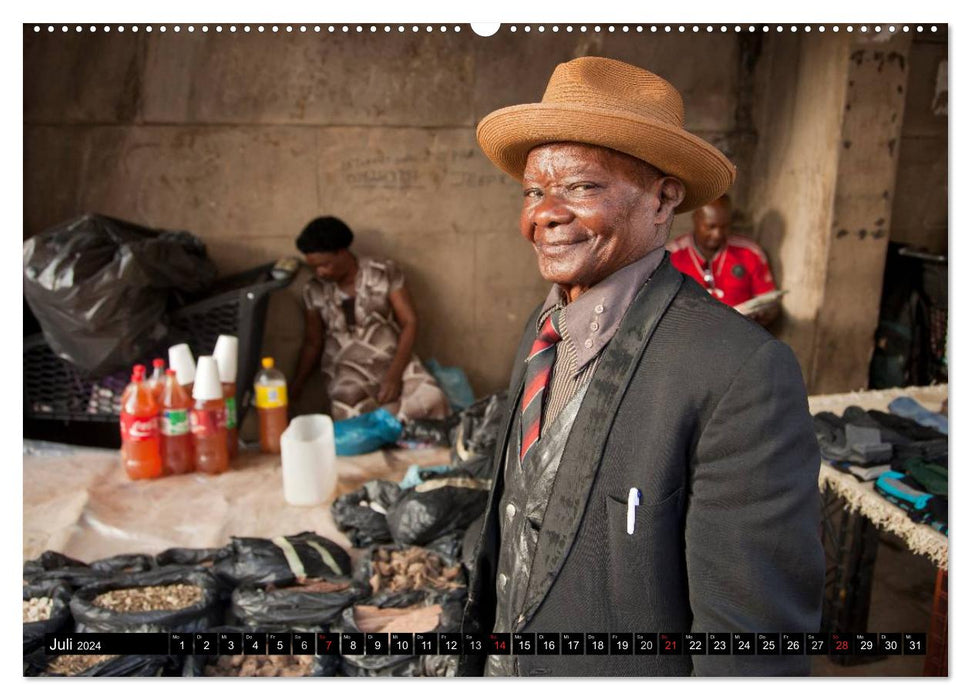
(588, 323)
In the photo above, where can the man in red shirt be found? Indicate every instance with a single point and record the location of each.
(733, 269)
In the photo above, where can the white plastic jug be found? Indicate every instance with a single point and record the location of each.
(309, 460)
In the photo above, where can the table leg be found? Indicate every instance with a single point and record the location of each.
(935, 663)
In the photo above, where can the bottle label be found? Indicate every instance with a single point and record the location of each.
(271, 396)
(138, 428)
(207, 421)
(175, 422)
(230, 412)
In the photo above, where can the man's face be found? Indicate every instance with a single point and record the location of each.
(713, 225)
(328, 266)
(587, 211)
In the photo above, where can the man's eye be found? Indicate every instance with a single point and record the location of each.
(532, 192)
(582, 186)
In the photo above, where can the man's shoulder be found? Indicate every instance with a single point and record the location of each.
(746, 247)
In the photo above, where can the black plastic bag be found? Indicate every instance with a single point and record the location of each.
(281, 561)
(295, 606)
(51, 568)
(362, 514)
(36, 663)
(60, 617)
(397, 665)
(478, 429)
(208, 612)
(99, 287)
(436, 508)
(124, 564)
(428, 431)
(183, 556)
(195, 666)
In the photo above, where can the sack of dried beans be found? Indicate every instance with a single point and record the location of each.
(46, 611)
(163, 600)
(281, 560)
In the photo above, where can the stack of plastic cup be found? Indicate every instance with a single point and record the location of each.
(180, 359)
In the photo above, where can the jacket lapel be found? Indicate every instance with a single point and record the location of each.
(585, 445)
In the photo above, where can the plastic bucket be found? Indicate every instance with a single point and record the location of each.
(309, 460)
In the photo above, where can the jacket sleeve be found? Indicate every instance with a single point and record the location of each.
(752, 532)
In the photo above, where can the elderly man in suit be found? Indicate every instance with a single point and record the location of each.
(657, 468)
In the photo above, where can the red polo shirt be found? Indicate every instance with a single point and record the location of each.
(739, 271)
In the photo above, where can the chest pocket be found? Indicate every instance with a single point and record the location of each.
(646, 566)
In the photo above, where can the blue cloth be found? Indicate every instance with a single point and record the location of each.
(454, 383)
(906, 407)
(366, 433)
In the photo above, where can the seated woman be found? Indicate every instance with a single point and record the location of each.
(361, 327)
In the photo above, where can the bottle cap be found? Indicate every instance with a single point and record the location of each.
(226, 353)
(158, 362)
(138, 373)
(267, 363)
(170, 372)
(207, 385)
(180, 359)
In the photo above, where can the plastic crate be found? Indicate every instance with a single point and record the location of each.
(56, 390)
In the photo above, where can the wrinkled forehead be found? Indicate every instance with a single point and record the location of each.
(566, 157)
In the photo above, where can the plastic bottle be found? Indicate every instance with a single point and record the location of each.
(271, 404)
(140, 443)
(177, 454)
(226, 352)
(207, 419)
(157, 381)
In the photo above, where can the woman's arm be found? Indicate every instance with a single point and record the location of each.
(407, 317)
(313, 344)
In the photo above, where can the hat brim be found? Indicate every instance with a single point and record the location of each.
(507, 135)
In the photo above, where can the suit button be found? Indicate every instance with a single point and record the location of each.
(502, 581)
(510, 511)
(599, 309)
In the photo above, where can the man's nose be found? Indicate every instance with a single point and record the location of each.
(551, 212)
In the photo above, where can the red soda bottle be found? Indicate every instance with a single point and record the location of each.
(176, 436)
(140, 448)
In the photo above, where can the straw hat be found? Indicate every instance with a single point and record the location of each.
(609, 103)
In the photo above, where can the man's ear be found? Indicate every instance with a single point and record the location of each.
(671, 193)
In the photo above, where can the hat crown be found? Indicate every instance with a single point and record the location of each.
(614, 85)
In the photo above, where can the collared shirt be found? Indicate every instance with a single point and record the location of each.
(737, 272)
(587, 325)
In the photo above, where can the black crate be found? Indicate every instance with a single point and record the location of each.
(56, 391)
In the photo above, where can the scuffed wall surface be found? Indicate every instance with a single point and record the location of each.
(242, 138)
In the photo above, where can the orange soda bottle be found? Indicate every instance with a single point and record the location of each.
(157, 381)
(176, 436)
(271, 403)
(207, 419)
(140, 444)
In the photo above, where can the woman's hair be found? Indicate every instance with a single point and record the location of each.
(325, 234)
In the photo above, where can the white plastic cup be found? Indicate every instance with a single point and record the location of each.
(180, 359)
(207, 385)
(309, 460)
(226, 353)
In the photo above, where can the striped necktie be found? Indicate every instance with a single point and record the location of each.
(539, 366)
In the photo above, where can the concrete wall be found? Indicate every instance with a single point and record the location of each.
(920, 193)
(242, 138)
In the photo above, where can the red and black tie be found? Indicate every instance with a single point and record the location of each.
(539, 366)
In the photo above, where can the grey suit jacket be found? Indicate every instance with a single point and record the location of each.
(706, 414)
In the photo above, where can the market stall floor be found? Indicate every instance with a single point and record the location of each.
(80, 502)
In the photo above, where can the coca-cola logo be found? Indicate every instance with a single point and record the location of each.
(140, 428)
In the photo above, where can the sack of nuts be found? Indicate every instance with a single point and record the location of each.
(163, 600)
(46, 611)
(311, 602)
(400, 575)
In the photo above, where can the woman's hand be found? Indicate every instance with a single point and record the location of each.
(390, 388)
